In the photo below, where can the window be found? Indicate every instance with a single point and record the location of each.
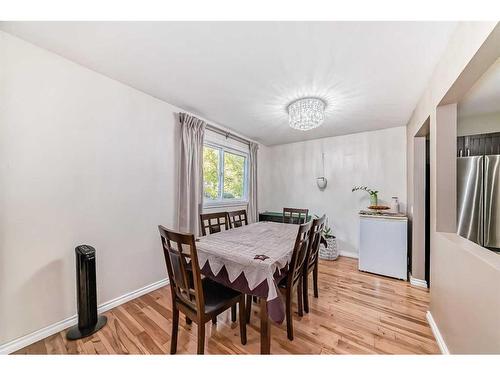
(224, 175)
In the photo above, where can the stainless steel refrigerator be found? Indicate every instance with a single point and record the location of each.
(478, 194)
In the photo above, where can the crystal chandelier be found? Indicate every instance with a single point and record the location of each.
(306, 113)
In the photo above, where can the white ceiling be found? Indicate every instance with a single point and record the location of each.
(243, 75)
(484, 96)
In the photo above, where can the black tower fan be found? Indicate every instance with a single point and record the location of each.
(88, 320)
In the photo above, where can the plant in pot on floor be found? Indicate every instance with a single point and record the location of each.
(328, 248)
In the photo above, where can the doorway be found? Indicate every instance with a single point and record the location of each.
(427, 213)
(420, 248)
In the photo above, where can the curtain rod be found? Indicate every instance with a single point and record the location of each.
(227, 134)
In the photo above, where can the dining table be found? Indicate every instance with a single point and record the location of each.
(252, 259)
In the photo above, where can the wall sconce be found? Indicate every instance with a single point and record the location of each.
(322, 181)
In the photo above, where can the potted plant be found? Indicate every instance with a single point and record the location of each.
(373, 194)
(329, 249)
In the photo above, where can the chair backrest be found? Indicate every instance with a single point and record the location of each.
(295, 215)
(237, 218)
(314, 241)
(299, 254)
(213, 222)
(183, 269)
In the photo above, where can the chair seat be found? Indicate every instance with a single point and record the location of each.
(217, 295)
(283, 281)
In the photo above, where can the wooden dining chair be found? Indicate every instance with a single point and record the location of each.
(294, 277)
(199, 299)
(311, 263)
(237, 218)
(214, 222)
(295, 215)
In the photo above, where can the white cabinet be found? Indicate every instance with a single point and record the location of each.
(383, 245)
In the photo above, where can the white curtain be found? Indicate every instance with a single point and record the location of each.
(253, 212)
(191, 173)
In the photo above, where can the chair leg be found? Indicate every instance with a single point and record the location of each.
(305, 292)
(289, 323)
(175, 330)
(214, 320)
(243, 324)
(300, 299)
(248, 308)
(233, 313)
(315, 280)
(201, 338)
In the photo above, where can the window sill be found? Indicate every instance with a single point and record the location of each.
(224, 204)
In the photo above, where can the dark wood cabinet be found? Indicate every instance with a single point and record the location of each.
(478, 144)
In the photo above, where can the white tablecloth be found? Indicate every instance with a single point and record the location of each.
(236, 250)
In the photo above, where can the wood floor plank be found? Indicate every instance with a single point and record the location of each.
(110, 338)
(158, 333)
(55, 344)
(122, 315)
(98, 344)
(149, 343)
(72, 346)
(38, 347)
(356, 313)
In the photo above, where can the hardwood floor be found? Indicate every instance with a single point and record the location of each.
(356, 313)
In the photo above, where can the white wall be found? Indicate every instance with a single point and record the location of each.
(465, 298)
(263, 177)
(83, 159)
(376, 159)
(479, 124)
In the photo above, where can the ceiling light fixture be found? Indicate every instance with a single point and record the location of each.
(306, 113)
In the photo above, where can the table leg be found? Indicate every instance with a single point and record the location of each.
(265, 328)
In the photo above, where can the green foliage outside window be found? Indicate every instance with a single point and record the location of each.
(210, 173)
(233, 176)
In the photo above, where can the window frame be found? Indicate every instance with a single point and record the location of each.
(220, 201)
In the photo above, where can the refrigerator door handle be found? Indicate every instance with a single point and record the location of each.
(491, 216)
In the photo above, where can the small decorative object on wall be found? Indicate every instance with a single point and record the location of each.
(322, 181)
(328, 248)
(373, 194)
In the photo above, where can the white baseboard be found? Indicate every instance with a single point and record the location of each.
(348, 254)
(435, 330)
(33, 337)
(418, 282)
(21, 342)
(130, 296)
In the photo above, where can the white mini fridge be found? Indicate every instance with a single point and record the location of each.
(383, 245)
